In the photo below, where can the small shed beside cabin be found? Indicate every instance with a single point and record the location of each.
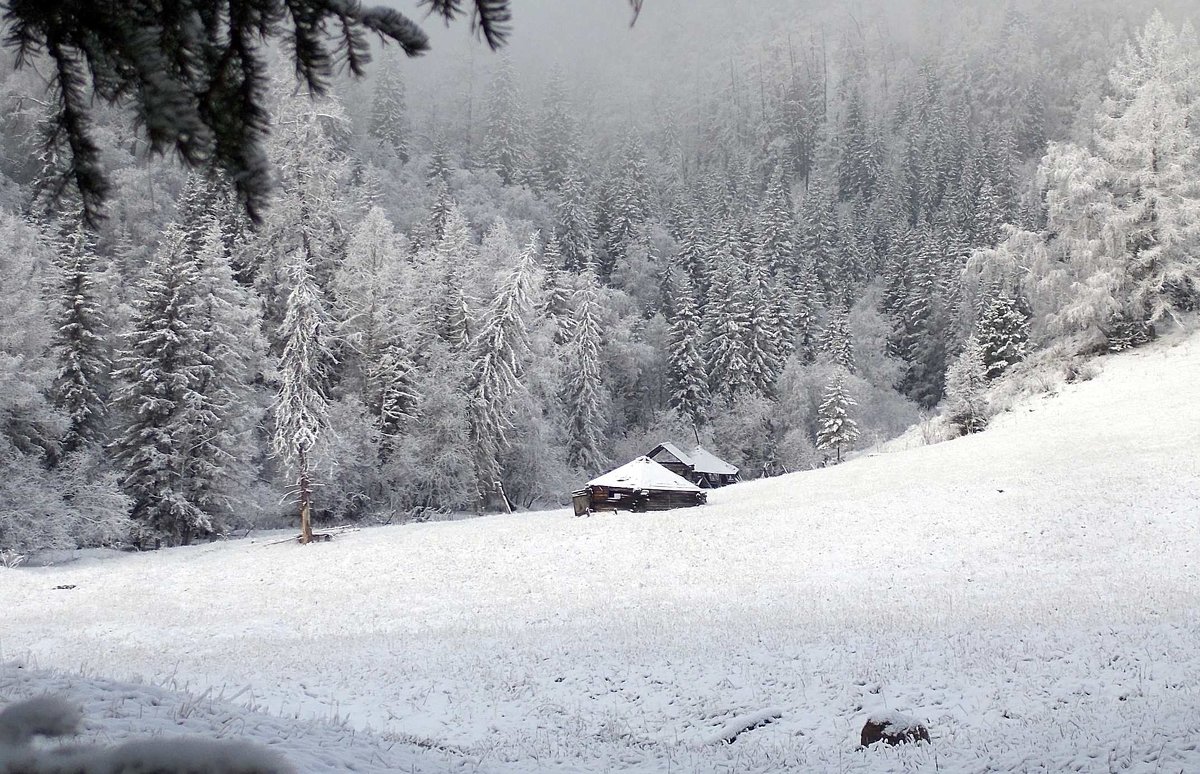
(700, 466)
(710, 470)
(641, 485)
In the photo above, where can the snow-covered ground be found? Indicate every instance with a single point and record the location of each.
(1032, 593)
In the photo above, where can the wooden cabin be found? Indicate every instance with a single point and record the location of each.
(673, 459)
(710, 470)
(641, 485)
(700, 466)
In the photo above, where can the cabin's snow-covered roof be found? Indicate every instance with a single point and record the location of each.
(675, 452)
(705, 461)
(644, 473)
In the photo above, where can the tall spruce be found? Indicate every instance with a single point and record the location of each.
(80, 388)
(583, 389)
(389, 115)
(498, 354)
(506, 141)
(159, 370)
(966, 382)
(575, 223)
(1003, 334)
(301, 406)
(837, 430)
(689, 388)
(727, 320)
(557, 135)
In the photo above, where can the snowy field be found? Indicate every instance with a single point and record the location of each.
(1032, 592)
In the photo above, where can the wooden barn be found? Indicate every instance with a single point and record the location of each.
(641, 485)
(700, 466)
(710, 470)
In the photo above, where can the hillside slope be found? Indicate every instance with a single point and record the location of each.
(1031, 591)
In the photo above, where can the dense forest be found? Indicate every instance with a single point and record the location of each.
(495, 276)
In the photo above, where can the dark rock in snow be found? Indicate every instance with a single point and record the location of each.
(893, 728)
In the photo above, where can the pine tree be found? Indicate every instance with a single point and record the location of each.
(397, 397)
(389, 119)
(1003, 335)
(556, 296)
(439, 213)
(820, 242)
(575, 224)
(802, 313)
(836, 342)
(301, 406)
(689, 391)
(583, 390)
(309, 215)
(440, 165)
(727, 321)
(80, 388)
(625, 203)
(505, 142)
(966, 380)
(368, 295)
(498, 354)
(228, 319)
(837, 428)
(455, 250)
(764, 361)
(158, 370)
(923, 326)
(857, 165)
(776, 229)
(558, 135)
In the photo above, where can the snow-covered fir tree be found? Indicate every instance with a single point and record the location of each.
(575, 223)
(556, 294)
(726, 327)
(81, 386)
(764, 345)
(1003, 334)
(836, 427)
(301, 406)
(625, 203)
(557, 135)
(505, 142)
(836, 342)
(966, 383)
(498, 354)
(583, 389)
(368, 294)
(857, 164)
(160, 369)
(389, 114)
(689, 387)
(220, 469)
(454, 251)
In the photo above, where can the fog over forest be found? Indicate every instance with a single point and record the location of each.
(786, 231)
